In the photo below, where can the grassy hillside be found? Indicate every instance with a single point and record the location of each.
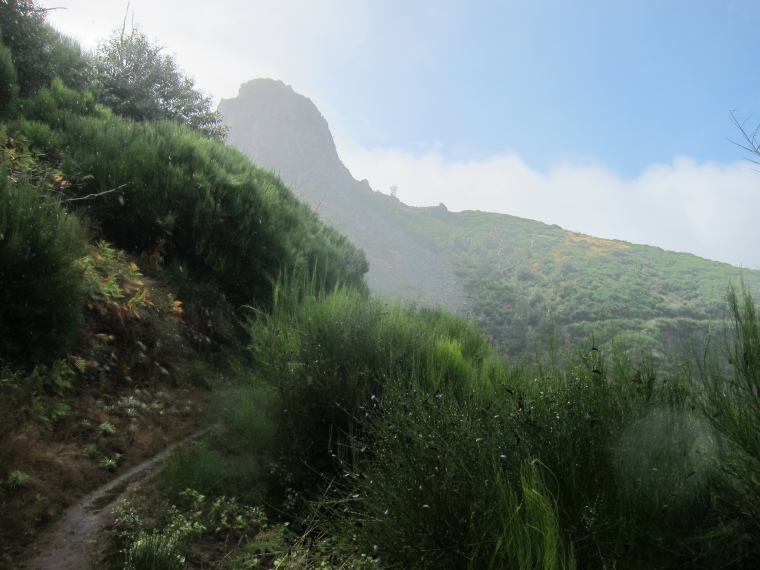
(522, 281)
(526, 283)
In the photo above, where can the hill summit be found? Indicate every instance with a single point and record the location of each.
(282, 130)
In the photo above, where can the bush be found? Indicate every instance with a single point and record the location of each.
(193, 466)
(436, 482)
(40, 290)
(162, 188)
(434, 473)
(136, 80)
(57, 105)
(249, 415)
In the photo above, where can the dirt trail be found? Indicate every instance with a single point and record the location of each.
(67, 544)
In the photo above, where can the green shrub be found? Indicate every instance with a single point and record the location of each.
(193, 466)
(57, 105)
(17, 479)
(105, 429)
(249, 416)
(154, 552)
(228, 468)
(439, 481)
(40, 290)
(447, 366)
(164, 188)
(433, 470)
(322, 358)
(622, 442)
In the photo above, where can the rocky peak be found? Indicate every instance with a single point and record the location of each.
(284, 131)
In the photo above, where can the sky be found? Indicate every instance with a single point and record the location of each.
(611, 119)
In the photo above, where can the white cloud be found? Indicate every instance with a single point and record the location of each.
(707, 209)
(225, 43)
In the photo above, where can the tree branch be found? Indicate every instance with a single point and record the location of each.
(96, 195)
(751, 143)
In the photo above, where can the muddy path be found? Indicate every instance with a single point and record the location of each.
(68, 543)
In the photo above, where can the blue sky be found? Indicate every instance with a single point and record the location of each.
(607, 118)
(627, 83)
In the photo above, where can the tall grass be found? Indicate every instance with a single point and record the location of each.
(194, 466)
(729, 391)
(440, 480)
(418, 412)
(329, 356)
(8, 82)
(526, 527)
(154, 552)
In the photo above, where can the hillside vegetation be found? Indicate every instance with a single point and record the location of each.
(520, 280)
(153, 279)
(523, 280)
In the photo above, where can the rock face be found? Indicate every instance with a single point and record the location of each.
(285, 132)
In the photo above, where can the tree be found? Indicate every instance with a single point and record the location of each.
(39, 53)
(136, 79)
(751, 138)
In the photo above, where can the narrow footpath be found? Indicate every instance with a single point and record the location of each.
(68, 543)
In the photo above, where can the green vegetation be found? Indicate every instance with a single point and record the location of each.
(409, 443)
(147, 268)
(194, 522)
(136, 80)
(730, 380)
(201, 205)
(17, 479)
(39, 53)
(40, 289)
(525, 281)
(127, 249)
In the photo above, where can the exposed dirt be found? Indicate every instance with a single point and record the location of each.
(68, 544)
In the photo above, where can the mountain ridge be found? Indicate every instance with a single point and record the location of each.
(517, 278)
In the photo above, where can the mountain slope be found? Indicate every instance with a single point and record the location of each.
(282, 130)
(521, 280)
